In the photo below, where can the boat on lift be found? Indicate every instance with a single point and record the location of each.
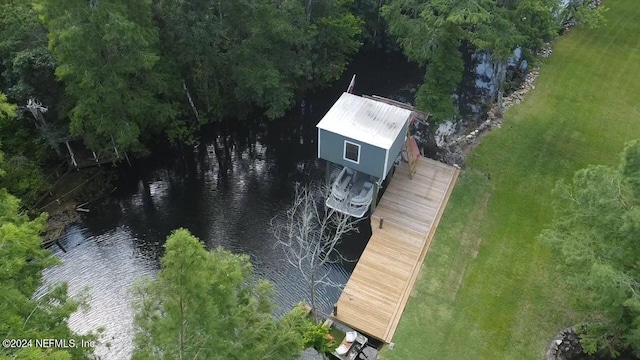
(351, 193)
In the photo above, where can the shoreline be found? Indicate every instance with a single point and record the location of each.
(71, 197)
(458, 145)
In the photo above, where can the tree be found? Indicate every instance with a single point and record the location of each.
(26, 73)
(7, 110)
(333, 36)
(107, 57)
(374, 25)
(26, 65)
(22, 316)
(228, 58)
(232, 56)
(595, 232)
(582, 12)
(207, 305)
(19, 175)
(309, 234)
(500, 37)
(431, 33)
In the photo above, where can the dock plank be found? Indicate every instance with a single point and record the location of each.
(379, 287)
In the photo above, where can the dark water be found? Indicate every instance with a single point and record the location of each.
(121, 239)
(477, 88)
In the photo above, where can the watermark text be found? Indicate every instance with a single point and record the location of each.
(47, 343)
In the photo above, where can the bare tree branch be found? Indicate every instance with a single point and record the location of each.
(309, 233)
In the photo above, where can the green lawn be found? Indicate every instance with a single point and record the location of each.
(489, 288)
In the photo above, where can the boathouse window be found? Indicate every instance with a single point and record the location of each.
(351, 152)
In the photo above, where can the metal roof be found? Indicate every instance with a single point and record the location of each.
(369, 121)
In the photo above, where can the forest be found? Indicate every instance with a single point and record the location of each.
(129, 75)
(115, 74)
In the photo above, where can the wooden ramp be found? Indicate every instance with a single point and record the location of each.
(377, 291)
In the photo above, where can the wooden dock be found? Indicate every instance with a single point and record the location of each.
(377, 291)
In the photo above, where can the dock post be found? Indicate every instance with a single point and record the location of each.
(374, 200)
(60, 246)
(327, 172)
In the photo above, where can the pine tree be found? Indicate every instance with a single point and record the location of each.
(207, 305)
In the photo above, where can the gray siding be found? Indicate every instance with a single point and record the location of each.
(395, 149)
(331, 147)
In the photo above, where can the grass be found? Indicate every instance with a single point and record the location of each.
(489, 288)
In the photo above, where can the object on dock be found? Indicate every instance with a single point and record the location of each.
(351, 346)
(350, 336)
(413, 154)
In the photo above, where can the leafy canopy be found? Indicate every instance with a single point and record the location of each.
(207, 305)
(26, 65)
(596, 231)
(431, 33)
(107, 55)
(17, 174)
(233, 56)
(22, 316)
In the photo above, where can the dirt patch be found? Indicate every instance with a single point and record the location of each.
(63, 215)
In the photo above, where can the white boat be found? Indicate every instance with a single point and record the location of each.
(351, 193)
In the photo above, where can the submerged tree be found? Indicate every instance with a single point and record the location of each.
(595, 231)
(309, 234)
(208, 305)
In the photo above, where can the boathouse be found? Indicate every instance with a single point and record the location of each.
(363, 135)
